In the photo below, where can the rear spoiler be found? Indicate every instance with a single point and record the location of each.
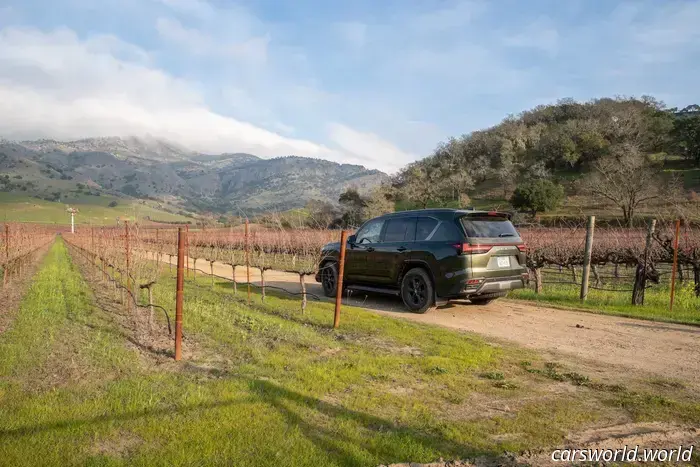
(506, 215)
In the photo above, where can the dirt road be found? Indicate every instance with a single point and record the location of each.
(620, 344)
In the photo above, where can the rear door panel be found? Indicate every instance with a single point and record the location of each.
(436, 246)
(395, 248)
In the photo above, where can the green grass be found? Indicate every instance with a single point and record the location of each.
(93, 210)
(268, 385)
(656, 302)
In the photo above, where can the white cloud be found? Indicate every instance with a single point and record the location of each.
(539, 34)
(198, 8)
(668, 34)
(253, 49)
(455, 16)
(352, 33)
(55, 85)
(7, 13)
(403, 81)
(368, 147)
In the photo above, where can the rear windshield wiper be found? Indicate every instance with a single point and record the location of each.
(506, 235)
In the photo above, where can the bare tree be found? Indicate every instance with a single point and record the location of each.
(379, 202)
(423, 186)
(626, 178)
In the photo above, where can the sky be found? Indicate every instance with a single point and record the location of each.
(373, 82)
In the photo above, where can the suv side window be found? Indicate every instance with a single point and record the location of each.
(371, 232)
(424, 228)
(400, 229)
(447, 232)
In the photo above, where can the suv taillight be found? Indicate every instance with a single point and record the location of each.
(468, 249)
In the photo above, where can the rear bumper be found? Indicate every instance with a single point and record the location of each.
(488, 286)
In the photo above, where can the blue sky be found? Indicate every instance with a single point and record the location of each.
(378, 83)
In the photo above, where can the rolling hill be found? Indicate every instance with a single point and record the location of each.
(148, 168)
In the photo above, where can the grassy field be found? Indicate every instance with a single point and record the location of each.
(83, 383)
(686, 308)
(93, 210)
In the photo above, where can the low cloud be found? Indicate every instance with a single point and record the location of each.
(55, 85)
(369, 148)
(217, 77)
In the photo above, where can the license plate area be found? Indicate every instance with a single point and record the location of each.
(503, 261)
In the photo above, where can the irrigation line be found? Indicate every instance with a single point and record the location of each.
(593, 287)
(253, 284)
(612, 290)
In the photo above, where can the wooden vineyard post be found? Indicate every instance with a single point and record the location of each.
(158, 248)
(128, 264)
(587, 258)
(211, 268)
(103, 257)
(7, 255)
(93, 254)
(247, 258)
(675, 262)
(179, 292)
(538, 280)
(341, 272)
(187, 253)
(302, 283)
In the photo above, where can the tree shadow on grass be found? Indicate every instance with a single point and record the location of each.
(305, 413)
(314, 418)
(76, 423)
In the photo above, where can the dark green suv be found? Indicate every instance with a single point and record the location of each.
(430, 256)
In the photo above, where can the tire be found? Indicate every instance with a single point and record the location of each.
(485, 299)
(329, 279)
(417, 291)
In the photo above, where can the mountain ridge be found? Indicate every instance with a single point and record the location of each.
(147, 167)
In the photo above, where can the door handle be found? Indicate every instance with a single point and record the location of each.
(401, 248)
(369, 248)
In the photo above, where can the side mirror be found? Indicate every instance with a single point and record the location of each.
(351, 239)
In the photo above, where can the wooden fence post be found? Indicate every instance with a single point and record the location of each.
(247, 258)
(7, 255)
(537, 272)
(341, 272)
(587, 257)
(128, 265)
(179, 292)
(158, 248)
(211, 268)
(675, 262)
(187, 252)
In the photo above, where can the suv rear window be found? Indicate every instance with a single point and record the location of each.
(425, 227)
(488, 227)
(447, 232)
